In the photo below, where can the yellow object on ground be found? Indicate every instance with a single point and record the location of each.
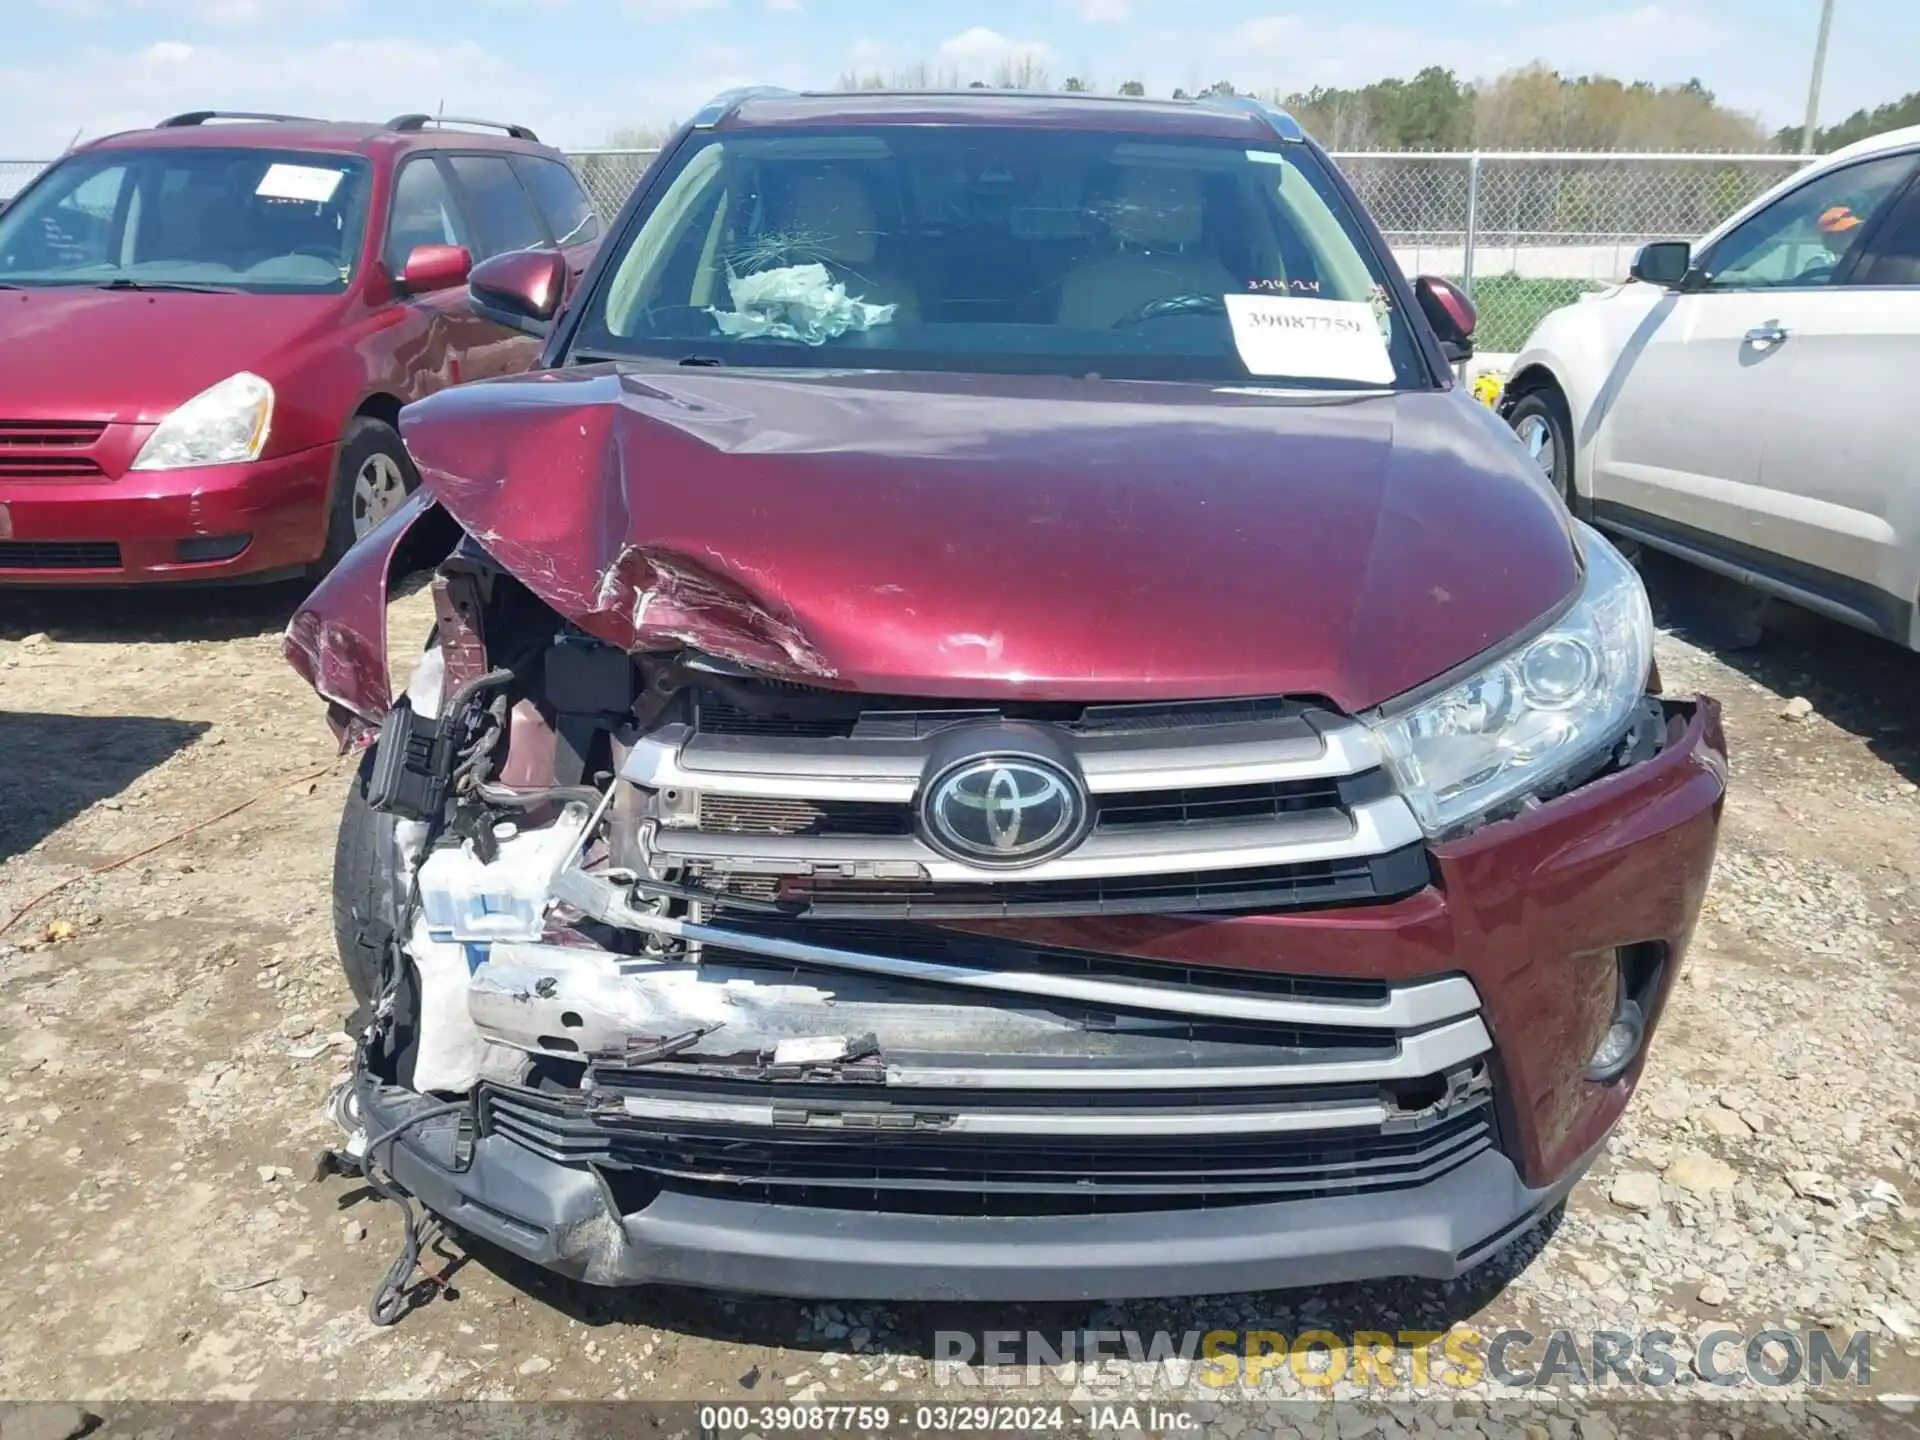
(1486, 389)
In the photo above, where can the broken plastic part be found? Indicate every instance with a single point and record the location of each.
(450, 1049)
(464, 898)
(795, 302)
(411, 764)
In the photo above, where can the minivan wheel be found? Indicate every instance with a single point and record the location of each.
(373, 476)
(1539, 418)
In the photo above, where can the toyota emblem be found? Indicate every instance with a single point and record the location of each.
(1004, 810)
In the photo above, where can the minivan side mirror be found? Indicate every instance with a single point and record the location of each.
(434, 267)
(1451, 314)
(521, 289)
(1665, 263)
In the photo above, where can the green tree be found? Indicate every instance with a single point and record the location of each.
(1857, 126)
(1133, 88)
(1219, 87)
(1074, 85)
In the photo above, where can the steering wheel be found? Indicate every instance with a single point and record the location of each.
(1173, 305)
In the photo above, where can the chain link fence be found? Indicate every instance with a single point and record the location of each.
(14, 175)
(1524, 232)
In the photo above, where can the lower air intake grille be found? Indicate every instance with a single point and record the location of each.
(925, 1172)
(59, 555)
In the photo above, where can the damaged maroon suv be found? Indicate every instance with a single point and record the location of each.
(997, 726)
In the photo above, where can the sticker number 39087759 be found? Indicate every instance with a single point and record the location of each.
(1318, 339)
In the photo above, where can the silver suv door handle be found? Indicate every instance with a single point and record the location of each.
(1766, 335)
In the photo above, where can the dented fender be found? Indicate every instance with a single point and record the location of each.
(337, 639)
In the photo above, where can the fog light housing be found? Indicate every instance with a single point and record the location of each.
(205, 549)
(1620, 1043)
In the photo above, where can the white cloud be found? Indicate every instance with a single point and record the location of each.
(983, 54)
(670, 9)
(95, 90)
(222, 14)
(1101, 12)
(1268, 35)
(783, 4)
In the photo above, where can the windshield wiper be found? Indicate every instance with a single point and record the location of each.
(713, 360)
(123, 283)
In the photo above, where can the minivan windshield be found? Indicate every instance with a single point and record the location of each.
(190, 218)
(1002, 250)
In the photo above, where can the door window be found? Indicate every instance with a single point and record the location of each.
(568, 211)
(503, 216)
(1894, 258)
(424, 213)
(1806, 237)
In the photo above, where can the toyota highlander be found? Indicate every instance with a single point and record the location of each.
(997, 726)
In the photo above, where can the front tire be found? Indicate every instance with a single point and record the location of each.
(1540, 419)
(373, 476)
(366, 889)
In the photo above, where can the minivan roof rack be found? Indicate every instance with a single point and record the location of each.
(200, 117)
(1284, 125)
(727, 101)
(410, 123)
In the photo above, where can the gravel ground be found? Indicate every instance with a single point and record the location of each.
(169, 1028)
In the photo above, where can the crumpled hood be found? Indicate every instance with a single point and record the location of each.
(941, 535)
(131, 356)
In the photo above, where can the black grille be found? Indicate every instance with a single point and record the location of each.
(59, 555)
(1217, 804)
(916, 1167)
(1278, 887)
(960, 947)
(779, 710)
(761, 815)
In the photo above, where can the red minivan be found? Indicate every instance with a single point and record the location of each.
(207, 331)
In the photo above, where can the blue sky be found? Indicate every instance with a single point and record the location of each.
(577, 69)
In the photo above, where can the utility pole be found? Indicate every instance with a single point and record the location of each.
(1819, 69)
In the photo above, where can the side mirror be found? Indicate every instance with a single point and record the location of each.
(1450, 313)
(435, 267)
(1665, 263)
(521, 289)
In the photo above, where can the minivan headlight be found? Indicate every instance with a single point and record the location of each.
(1539, 711)
(224, 424)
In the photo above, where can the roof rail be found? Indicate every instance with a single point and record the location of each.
(200, 117)
(1284, 125)
(727, 101)
(410, 123)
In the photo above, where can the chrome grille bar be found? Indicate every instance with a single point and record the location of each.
(1370, 829)
(674, 758)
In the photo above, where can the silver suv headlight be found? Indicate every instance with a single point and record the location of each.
(1539, 711)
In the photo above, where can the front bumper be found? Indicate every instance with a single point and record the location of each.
(270, 514)
(566, 1219)
(1531, 911)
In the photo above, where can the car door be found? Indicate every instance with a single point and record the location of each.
(1839, 503)
(425, 211)
(1680, 435)
(503, 217)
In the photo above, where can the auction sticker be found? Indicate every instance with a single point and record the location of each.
(298, 182)
(1324, 339)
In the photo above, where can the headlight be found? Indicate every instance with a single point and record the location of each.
(1534, 714)
(222, 425)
